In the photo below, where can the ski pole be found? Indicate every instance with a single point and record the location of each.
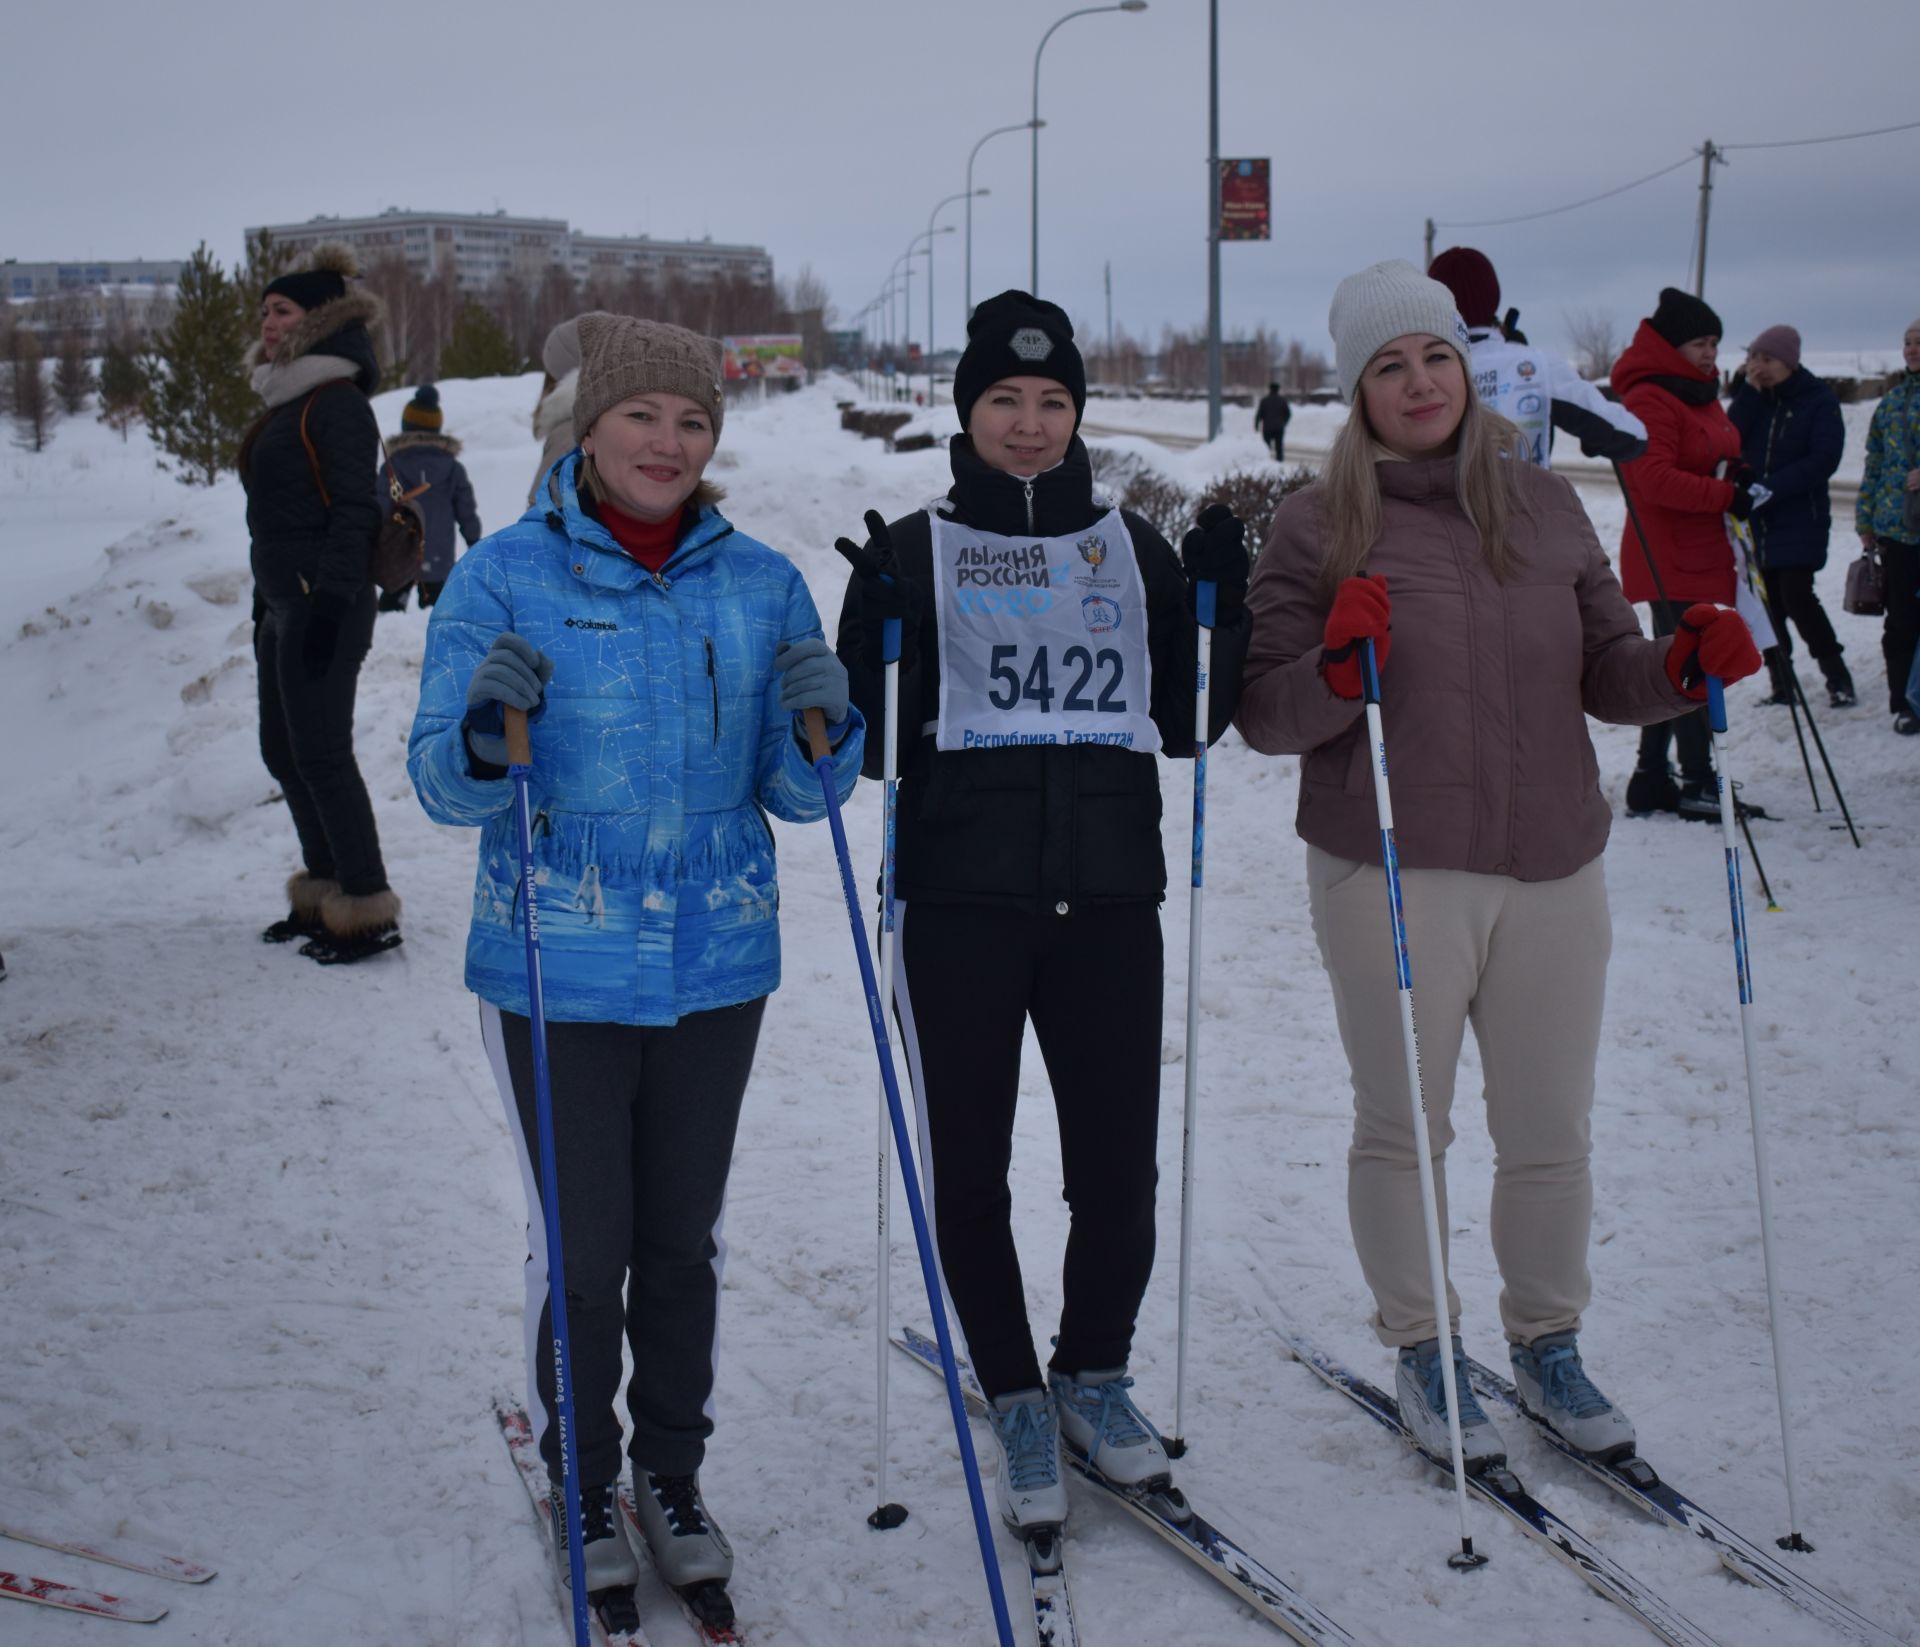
(520, 769)
(923, 1240)
(1205, 593)
(1753, 852)
(1463, 1558)
(1820, 745)
(1743, 976)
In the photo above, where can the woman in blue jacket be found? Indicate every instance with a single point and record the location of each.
(664, 660)
(1790, 438)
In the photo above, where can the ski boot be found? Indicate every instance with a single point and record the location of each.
(1423, 1404)
(689, 1550)
(1651, 792)
(1100, 1422)
(604, 1550)
(1031, 1489)
(1554, 1387)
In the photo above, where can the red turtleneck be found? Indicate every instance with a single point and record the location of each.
(650, 542)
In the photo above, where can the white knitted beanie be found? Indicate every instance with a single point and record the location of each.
(1388, 300)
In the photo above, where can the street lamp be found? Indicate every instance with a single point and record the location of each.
(998, 131)
(1033, 265)
(914, 250)
(968, 198)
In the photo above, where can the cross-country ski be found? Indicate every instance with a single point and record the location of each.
(47, 1592)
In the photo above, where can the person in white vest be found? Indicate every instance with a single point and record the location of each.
(1049, 654)
(1533, 389)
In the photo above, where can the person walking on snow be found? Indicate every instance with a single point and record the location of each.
(1498, 627)
(428, 462)
(308, 465)
(1791, 436)
(1271, 420)
(1534, 390)
(1049, 650)
(1887, 526)
(664, 659)
(1690, 478)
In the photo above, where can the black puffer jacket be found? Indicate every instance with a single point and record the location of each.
(1039, 827)
(1793, 437)
(300, 544)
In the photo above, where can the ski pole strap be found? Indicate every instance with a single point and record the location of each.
(1205, 601)
(1370, 672)
(1716, 704)
(519, 748)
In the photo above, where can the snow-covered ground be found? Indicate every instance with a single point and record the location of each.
(261, 1227)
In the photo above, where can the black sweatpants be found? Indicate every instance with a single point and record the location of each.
(1690, 735)
(306, 739)
(643, 1122)
(969, 978)
(1900, 564)
(1790, 595)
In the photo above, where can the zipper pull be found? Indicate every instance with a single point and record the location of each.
(1027, 487)
(713, 686)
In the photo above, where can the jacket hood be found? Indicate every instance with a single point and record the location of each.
(1651, 359)
(342, 329)
(416, 438)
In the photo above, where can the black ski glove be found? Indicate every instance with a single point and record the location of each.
(1742, 505)
(325, 613)
(1215, 552)
(885, 592)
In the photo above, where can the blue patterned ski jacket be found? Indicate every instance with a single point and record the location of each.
(657, 754)
(1893, 447)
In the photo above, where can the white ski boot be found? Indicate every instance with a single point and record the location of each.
(687, 1544)
(1033, 1495)
(1100, 1421)
(609, 1558)
(1423, 1404)
(1554, 1387)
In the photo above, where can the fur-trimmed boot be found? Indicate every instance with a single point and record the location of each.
(356, 927)
(305, 894)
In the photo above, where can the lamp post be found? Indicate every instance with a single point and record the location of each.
(914, 250)
(968, 198)
(1033, 242)
(998, 131)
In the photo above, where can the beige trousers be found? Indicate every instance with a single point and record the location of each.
(1525, 962)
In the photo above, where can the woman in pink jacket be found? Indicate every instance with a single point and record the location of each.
(1498, 627)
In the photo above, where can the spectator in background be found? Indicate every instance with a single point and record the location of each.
(427, 463)
(1535, 391)
(553, 417)
(1271, 420)
(1888, 528)
(1790, 437)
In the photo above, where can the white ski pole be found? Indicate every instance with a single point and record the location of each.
(886, 1515)
(1463, 1558)
(1204, 601)
(1743, 976)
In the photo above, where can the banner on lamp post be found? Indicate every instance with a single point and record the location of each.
(1246, 200)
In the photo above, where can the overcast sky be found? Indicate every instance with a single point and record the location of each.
(828, 131)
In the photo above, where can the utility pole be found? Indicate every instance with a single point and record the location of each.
(1426, 262)
(1708, 155)
(1109, 319)
(1213, 219)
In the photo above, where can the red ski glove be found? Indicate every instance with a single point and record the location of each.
(1360, 609)
(1711, 640)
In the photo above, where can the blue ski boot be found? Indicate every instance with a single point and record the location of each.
(1100, 1421)
(1423, 1404)
(1033, 1497)
(1554, 1387)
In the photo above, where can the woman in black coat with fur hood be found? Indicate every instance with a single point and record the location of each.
(309, 465)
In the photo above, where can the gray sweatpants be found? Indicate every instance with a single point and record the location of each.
(1525, 962)
(643, 1122)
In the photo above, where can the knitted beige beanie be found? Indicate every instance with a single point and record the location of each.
(1382, 302)
(621, 357)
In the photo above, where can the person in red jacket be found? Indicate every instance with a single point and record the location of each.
(1677, 494)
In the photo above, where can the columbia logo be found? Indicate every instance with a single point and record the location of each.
(591, 623)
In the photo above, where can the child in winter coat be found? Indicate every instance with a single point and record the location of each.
(427, 462)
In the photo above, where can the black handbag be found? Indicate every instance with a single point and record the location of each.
(1866, 594)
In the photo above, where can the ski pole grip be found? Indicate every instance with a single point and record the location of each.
(1205, 601)
(1369, 672)
(519, 748)
(889, 636)
(817, 745)
(1716, 704)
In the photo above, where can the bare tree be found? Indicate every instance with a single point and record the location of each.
(1595, 336)
(30, 398)
(73, 378)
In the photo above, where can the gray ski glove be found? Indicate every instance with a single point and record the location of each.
(813, 678)
(513, 674)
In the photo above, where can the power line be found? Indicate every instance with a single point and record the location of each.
(1555, 211)
(1838, 137)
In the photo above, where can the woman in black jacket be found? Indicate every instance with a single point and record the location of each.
(1049, 650)
(309, 466)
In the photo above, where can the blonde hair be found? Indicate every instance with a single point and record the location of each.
(705, 494)
(1487, 463)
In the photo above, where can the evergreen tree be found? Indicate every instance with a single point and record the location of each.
(479, 346)
(122, 387)
(73, 373)
(29, 400)
(266, 260)
(198, 400)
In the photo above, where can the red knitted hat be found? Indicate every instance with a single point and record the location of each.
(1475, 287)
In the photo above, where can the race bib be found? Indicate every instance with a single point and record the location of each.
(1042, 640)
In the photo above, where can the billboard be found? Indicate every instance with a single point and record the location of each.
(1245, 200)
(768, 354)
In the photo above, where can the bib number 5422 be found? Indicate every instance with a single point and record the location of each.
(1037, 687)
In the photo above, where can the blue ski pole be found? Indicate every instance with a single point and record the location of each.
(1205, 594)
(1463, 1558)
(520, 769)
(877, 1020)
(1743, 977)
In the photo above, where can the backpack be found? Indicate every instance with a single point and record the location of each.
(399, 543)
